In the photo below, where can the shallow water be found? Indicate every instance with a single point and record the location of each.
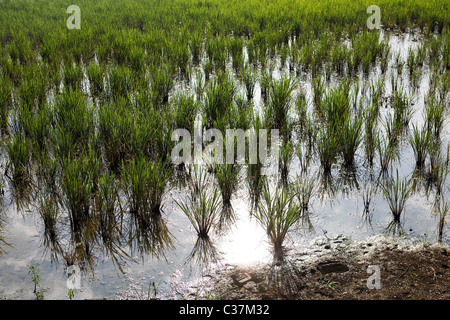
(245, 243)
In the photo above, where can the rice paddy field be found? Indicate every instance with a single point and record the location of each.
(88, 115)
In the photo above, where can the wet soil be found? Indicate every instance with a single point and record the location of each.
(341, 271)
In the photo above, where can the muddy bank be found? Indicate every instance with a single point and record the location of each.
(335, 269)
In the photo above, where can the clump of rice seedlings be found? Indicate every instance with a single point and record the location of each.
(47, 172)
(301, 108)
(199, 84)
(249, 79)
(327, 145)
(443, 208)
(195, 46)
(120, 82)
(396, 191)
(350, 136)
(145, 183)
(5, 102)
(77, 179)
(72, 120)
(386, 151)
(137, 60)
(276, 114)
(219, 98)
(305, 189)
(115, 128)
(185, 110)
(411, 61)
(33, 87)
(385, 59)
(319, 92)
(265, 80)
(336, 106)
(286, 156)
(202, 205)
(227, 176)
(438, 165)
(393, 128)
(402, 108)
(107, 201)
(278, 213)
(419, 142)
(94, 72)
(370, 120)
(368, 192)
(236, 46)
(18, 150)
(72, 76)
(435, 117)
(49, 213)
(149, 236)
(208, 67)
(35, 125)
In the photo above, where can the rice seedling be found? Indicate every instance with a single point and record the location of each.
(47, 172)
(219, 97)
(49, 213)
(76, 181)
(286, 156)
(5, 102)
(18, 150)
(199, 84)
(145, 183)
(114, 128)
(327, 147)
(202, 204)
(120, 82)
(419, 141)
(276, 114)
(386, 151)
(249, 79)
(278, 213)
(396, 192)
(72, 76)
(33, 87)
(350, 136)
(301, 108)
(443, 209)
(95, 72)
(438, 165)
(227, 177)
(185, 110)
(72, 121)
(318, 91)
(435, 117)
(304, 189)
(402, 108)
(107, 201)
(370, 120)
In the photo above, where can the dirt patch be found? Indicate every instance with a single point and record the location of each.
(406, 271)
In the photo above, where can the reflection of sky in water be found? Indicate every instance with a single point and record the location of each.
(245, 243)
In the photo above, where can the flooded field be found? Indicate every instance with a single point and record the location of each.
(348, 197)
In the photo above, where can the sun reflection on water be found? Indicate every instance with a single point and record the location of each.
(246, 243)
